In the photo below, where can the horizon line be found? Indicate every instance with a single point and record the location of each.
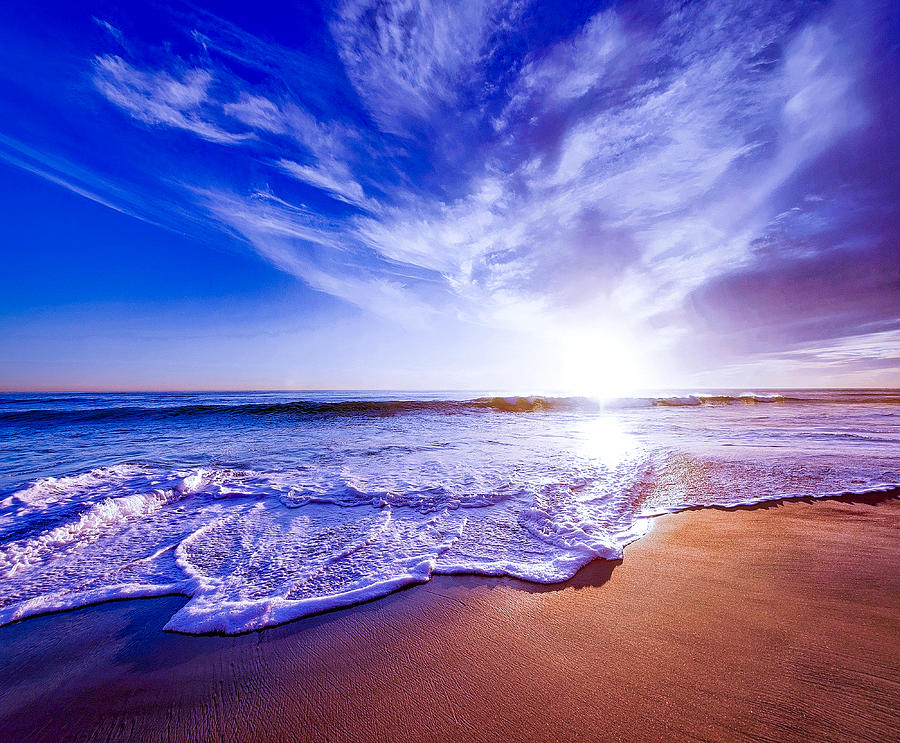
(162, 390)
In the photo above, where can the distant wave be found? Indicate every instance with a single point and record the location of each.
(350, 408)
(384, 408)
(811, 397)
(743, 399)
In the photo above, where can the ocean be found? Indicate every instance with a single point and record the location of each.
(263, 507)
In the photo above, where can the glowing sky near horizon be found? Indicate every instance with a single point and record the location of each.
(493, 194)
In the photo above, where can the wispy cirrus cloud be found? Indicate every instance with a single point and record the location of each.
(70, 176)
(310, 247)
(407, 59)
(163, 98)
(332, 176)
(664, 170)
(650, 162)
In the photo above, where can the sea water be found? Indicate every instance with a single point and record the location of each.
(265, 507)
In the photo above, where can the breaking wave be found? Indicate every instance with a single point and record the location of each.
(313, 408)
(388, 408)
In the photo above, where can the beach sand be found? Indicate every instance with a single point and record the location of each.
(776, 623)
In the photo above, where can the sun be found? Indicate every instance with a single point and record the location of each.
(599, 364)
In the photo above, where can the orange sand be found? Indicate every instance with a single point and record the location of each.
(779, 623)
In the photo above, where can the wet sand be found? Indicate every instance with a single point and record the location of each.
(774, 623)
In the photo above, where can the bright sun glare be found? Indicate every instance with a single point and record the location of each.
(598, 364)
(604, 439)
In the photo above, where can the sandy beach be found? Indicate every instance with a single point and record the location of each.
(426, 371)
(772, 623)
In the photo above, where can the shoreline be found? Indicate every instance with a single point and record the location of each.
(869, 496)
(774, 621)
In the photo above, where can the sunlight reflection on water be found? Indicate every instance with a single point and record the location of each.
(604, 439)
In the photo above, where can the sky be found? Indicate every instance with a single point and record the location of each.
(501, 194)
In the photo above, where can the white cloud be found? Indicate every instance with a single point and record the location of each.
(311, 248)
(334, 177)
(574, 67)
(110, 29)
(633, 166)
(66, 174)
(671, 160)
(406, 58)
(322, 139)
(187, 103)
(162, 99)
(258, 112)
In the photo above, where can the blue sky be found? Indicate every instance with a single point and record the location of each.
(487, 194)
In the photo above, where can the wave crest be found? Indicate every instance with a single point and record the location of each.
(313, 408)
